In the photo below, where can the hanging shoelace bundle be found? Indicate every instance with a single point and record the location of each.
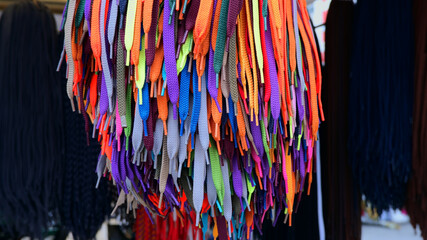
(216, 91)
(417, 184)
(341, 198)
(32, 120)
(380, 101)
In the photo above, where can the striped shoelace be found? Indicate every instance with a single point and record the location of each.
(185, 92)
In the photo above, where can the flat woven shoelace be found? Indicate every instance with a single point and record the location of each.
(227, 207)
(164, 171)
(140, 81)
(257, 38)
(275, 96)
(232, 69)
(173, 137)
(217, 173)
(67, 43)
(158, 137)
(95, 40)
(170, 62)
(210, 187)
(112, 24)
(184, 96)
(182, 156)
(199, 177)
(137, 134)
(130, 27)
(202, 125)
(120, 83)
(128, 124)
(196, 105)
(221, 37)
(150, 31)
(104, 57)
(87, 13)
(136, 41)
(144, 109)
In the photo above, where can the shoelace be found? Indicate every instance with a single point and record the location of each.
(140, 81)
(67, 44)
(210, 187)
(156, 68)
(148, 13)
(104, 58)
(128, 125)
(202, 125)
(216, 173)
(221, 37)
(183, 143)
(196, 105)
(144, 110)
(227, 207)
(190, 21)
(199, 177)
(95, 40)
(255, 110)
(87, 13)
(120, 83)
(112, 23)
(137, 135)
(149, 136)
(78, 18)
(246, 74)
(130, 28)
(184, 96)
(173, 139)
(158, 138)
(257, 39)
(162, 103)
(150, 30)
(267, 85)
(275, 96)
(136, 41)
(170, 61)
(164, 171)
(232, 78)
(216, 117)
(203, 21)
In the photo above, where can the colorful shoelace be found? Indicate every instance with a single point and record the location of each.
(185, 92)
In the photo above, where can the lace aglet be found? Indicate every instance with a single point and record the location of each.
(265, 23)
(147, 77)
(192, 140)
(185, 7)
(160, 200)
(61, 59)
(171, 12)
(145, 128)
(127, 57)
(198, 219)
(181, 131)
(177, 51)
(97, 182)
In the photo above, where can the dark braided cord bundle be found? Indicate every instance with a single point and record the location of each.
(31, 120)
